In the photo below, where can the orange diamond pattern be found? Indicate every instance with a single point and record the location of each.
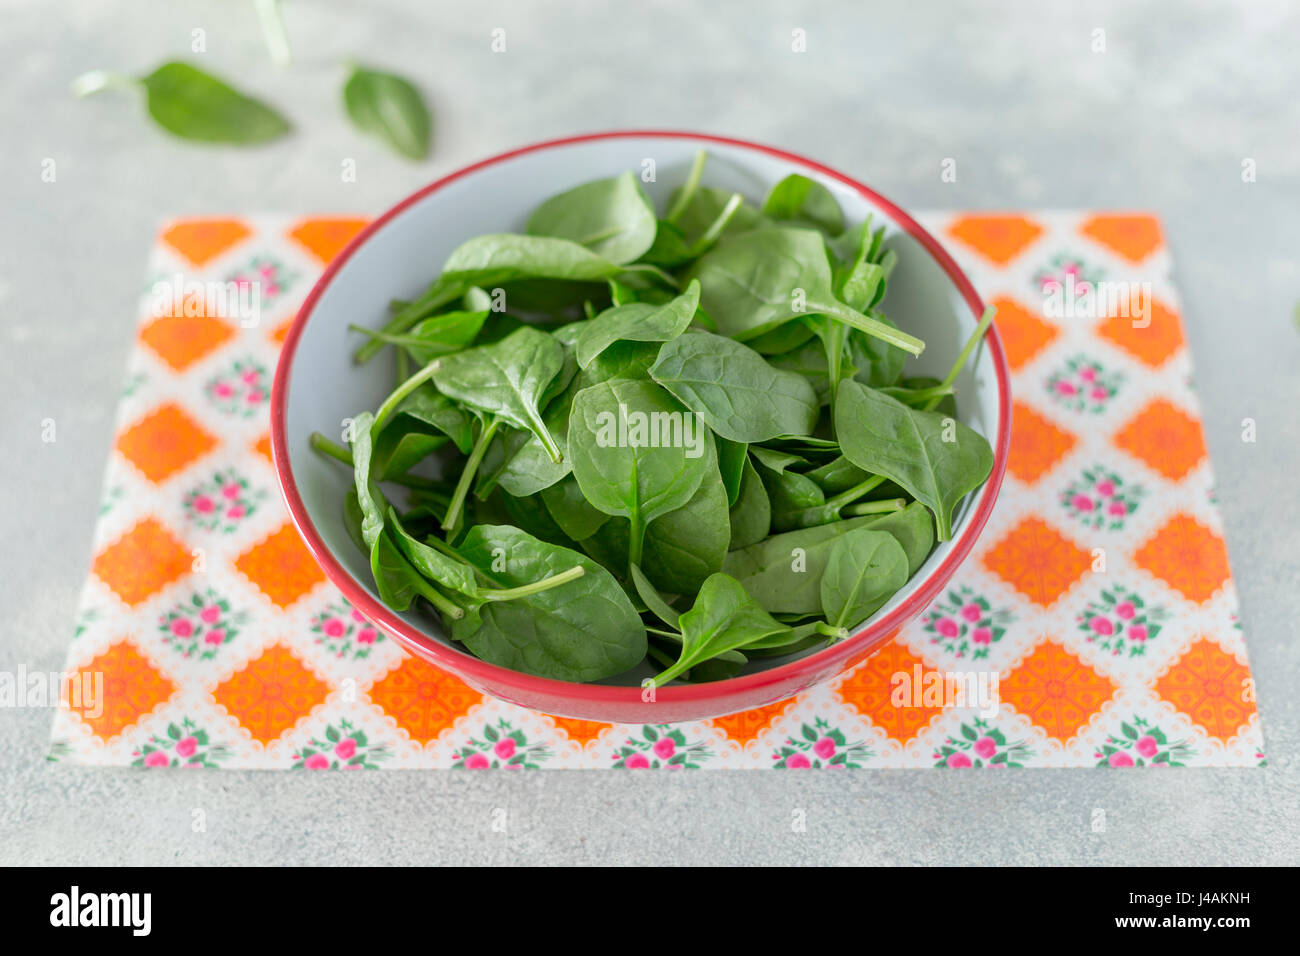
(326, 238)
(1153, 343)
(582, 731)
(423, 700)
(142, 562)
(1036, 444)
(1164, 437)
(1023, 334)
(202, 240)
(1133, 237)
(281, 331)
(748, 724)
(1000, 238)
(1056, 690)
(164, 442)
(281, 566)
(132, 689)
(1038, 561)
(1212, 688)
(271, 693)
(263, 447)
(871, 687)
(1187, 556)
(180, 340)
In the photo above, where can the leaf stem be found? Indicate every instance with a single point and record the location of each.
(856, 492)
(545, 584)
(96, 81)
(873, 327)
(885, 506)
(434, 298)
(272, 21)
(436, 598)
(980, 329)
(399, 394)
(687, 192)
(466, 479)
(336, 451)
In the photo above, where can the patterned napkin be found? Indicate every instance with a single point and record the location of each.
(1099, 592)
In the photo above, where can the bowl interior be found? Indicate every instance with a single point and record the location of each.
(400, 257)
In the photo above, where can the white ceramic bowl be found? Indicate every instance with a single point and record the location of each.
(317, 386)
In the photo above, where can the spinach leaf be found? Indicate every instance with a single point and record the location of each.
(739, 395)
(434, 336)
(723, 618)
(571, 511)
(863, 571)
(192, 104)
(583, 630)
(426, 404)
(751, 514)
(755, 281)
(627, 458)
(504, 257)
(388, 107)
(732, 457)
(506, 380)
(804, 200)
(637, 322)
(611, 217)
(936, 458)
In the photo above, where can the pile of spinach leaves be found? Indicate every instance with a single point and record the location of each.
(683, 439)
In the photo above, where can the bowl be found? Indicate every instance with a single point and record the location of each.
(317, 387)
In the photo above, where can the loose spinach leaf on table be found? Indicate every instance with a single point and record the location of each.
(388, 107)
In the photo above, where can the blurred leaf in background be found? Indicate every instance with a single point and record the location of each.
(388, 107)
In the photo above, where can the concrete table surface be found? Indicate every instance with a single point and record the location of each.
(1162, 119)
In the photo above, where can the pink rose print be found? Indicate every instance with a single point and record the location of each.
(366, 635)
(959, 761)
(1088, 374)
(986, 747)
(239, 389)
(222, 390)
(1118, 620)
(505, 748)
(203, 504)
(963, 623)
(981, 635)
(477, 762)
(317, 762)
(825, 748)
(210, 614)
(1105, 488)
(1082, 503)
(1082, 385)
(343, 632)
(664, 748)
(345, 749)
(1117, 508)
(157, 758)
(947, 627)
(1138, 633)
(972, 612)
(231, 491)
(637, 762)
(250, 377)
(333, 627)
(1147, 746)
(1120, 759)
(1142, 744)
(1101, 626)
(1126, 610)
(181, 627)
(215, 636)
(235, 513)
(797, 762)
(221, 501)
(186, 747)
(358, 616)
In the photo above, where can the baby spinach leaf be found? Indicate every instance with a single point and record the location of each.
(626, 458)
(739, 395)
(936, 458)
(506, 380)
(784, 572)
(652, 598)
(583, 630)
(804, 200)
(751, 515)
(638, 322)
(504, 257)
(434, 336)
(571, 511)
(621, 360)
(451, 573)
(611, 217)
(369, 498)
(863, 571)
(755, 281)
(683, 547)
(192, 104)
(723, 618)
(426, 404)
(732, 457)
(388, 107)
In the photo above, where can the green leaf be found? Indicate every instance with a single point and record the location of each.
(583, 630)
(937, 459)
(506, 379)
(734, 390)
(388, 107)
(864, 570)
(804, 200)
(637, 322)
(611, 217)
(195, 105)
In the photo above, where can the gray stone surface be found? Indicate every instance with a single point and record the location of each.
(1161, 120)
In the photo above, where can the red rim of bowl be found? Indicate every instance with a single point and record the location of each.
(472, 668)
